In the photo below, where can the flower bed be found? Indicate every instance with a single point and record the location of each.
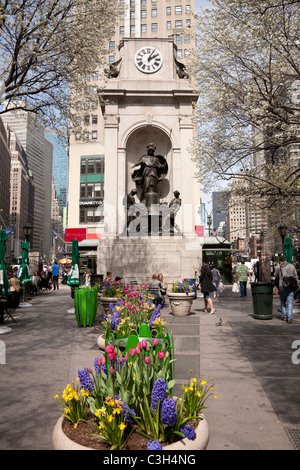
(130, 399)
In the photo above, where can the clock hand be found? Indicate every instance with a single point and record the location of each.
(150, 56)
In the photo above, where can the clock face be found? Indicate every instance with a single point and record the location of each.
(148, 59)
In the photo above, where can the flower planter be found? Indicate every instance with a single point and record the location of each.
(61, 442)
(181, 303)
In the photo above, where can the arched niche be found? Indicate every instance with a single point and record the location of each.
(136, 146)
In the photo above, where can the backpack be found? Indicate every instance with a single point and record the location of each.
(290, 282)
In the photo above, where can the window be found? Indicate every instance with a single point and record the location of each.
(132, 14)
(78, 120)
(169, 24)
(144, 28)
(186, 52)
(91, 215)
(111, 45)
(143, 13)
(154, 12)
(178, 10)
(132, 29)
(94, 119)
(95, 90)
(122, 30)
(168, 10)
(77, 136)
(188, 8)
(178, 24)
(86, 120)
(154, 27)
(187, 38)
(178, 38)
(111, 59)
(95, 75)
(179, 53)
(86, 105)
(94, 135)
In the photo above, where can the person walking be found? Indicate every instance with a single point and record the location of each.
(242, 274)
(288, 283)
(216, 279)
(55, 269)
(205, 279)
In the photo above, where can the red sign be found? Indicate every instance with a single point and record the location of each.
(75, 234)
(199, 229)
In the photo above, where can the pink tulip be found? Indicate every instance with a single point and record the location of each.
(99, 360)
(133, 310)
(155, 342)
(144, 343)
(132, 352)
(103, 361)
(111, 370)
(89, 370)
(161, 355)
(112, 356)
(126, 356)
(109, 348)
(147, 360)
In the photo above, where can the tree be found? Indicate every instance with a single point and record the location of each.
(246, 67)
(47, 45)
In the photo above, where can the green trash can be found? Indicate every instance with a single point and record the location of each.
(262, 298)
(85, 303)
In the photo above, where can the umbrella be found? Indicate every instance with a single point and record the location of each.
(4, 284)
(73, 278)
(24, 277)
(288, 249)
(65, 261)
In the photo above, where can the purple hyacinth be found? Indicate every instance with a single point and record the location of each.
(85, 379)
(168, 412)
(188, 432)
(158, 393)
(154, 445)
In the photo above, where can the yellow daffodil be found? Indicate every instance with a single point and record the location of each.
(122, 426)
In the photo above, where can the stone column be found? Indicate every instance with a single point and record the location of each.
(111, 129)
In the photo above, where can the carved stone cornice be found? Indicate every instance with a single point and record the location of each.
(111, 120)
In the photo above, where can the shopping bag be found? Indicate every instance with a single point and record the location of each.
(220, 287)
(235, 287)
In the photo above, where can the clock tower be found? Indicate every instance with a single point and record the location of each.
(148, 102)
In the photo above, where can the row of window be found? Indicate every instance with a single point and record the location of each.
(178, 24)
(92, 190)
(90, 215)
(86, 120)
(86, 135)
(154, 11)
(92, 166)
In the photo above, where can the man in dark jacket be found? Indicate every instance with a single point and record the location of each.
(284, 272)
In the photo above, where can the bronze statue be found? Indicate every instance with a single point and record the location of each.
(149, 171)
(169, 224)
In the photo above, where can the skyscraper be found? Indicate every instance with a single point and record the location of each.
(39, 154)
(59, 166)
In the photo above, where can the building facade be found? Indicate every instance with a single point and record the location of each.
(90, 140)
(39, 154)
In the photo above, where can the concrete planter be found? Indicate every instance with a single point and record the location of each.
(181, 303)
(61, 442)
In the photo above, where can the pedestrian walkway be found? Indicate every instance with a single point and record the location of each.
(258, 386)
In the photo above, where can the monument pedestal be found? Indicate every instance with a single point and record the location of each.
(138, 258)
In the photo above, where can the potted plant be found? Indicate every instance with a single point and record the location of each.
(181, 298)
(109, 293)
(128, 403)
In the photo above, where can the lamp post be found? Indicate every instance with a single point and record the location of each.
(282, 229)
(27, 230)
